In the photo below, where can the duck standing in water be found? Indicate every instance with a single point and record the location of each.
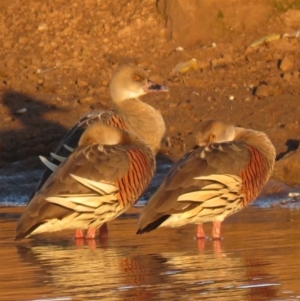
(221, 175)
(103, 177)
(127, 84)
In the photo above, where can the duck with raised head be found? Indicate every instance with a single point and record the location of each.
(103, 177)
(127, 84)
(219, 176)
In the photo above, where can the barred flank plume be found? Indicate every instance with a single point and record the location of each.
(94, 185)
(132, 185)
(254, 176)
(118, 122)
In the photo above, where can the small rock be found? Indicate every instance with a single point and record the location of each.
(23, 40)
(293, 194)
(81, 83)
(264, 90)
(287, 169)
(295, 74)
(86, 100)
(53, 44)
(179, 48)
(91, 91)
(106, 27)
(287, 76)
(124, 32)
(172, 129)
(40, 81)
(287, 62)
(42, 26)
(221, 62)
(104, 83)
(185, 67)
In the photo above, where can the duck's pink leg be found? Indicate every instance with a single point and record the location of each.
(200, 232)
(216, 230)
(103, 230)
(90, 233)
(78, 234)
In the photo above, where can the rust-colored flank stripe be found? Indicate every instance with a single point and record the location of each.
(118, 122)
(253, 176)
(133, 183)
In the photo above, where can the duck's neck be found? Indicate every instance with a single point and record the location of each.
(258, 140)
(144, 120)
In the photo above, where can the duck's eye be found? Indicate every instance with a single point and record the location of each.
(135, 77)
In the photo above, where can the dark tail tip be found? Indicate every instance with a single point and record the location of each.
(141, 231)
(153, 225)
(19, 236)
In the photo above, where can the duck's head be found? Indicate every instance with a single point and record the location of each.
(100, 133)
(213, 131)
(130, 81)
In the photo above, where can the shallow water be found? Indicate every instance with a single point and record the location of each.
(258, 259)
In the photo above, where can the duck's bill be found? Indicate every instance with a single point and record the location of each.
(153, 87)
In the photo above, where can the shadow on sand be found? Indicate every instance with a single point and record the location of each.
(34, 134)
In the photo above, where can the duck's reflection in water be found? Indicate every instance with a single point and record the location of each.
(131, 272)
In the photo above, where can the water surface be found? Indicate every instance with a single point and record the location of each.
(258, 259)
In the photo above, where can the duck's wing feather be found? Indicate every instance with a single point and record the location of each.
(70, 140)
(92, 175)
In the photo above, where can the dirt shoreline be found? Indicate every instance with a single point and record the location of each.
(56, 60)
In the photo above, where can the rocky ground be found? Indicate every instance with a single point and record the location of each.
(56, 58)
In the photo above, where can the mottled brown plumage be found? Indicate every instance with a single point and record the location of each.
(130, 113)
(101, 179)
(127, 84)
(219, 176)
